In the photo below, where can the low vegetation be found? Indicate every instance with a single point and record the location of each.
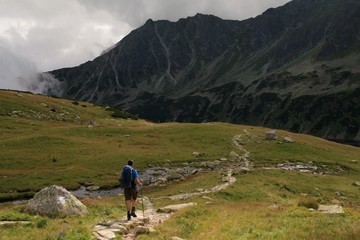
(46, 141)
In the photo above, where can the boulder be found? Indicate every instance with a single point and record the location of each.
(14, 223)
(198, 154)
(99, 227)
(143, 230)
(233, 155)
(105, 234)
(194, 171)
(333, 209)
(357, 184)
(92, 188)
(289, 140)
(88, 184)
(174, 208)
(162, 179)
(271, 135)
(121, 229)
(210, 165)
(244, 170)
(173, 175)
(55, 201)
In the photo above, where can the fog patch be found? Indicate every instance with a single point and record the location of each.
(45, 83)
(15, 71)
(19, 73)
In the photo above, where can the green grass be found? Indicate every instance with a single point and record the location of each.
(258, 206)
(73, 228)
(40, 147)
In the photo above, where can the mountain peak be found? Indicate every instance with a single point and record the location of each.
(204, 16)
(203, 68)
(149, 22)
(201, 15)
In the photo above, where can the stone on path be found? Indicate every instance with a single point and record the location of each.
(120, 228)
(55, 201)
(233, 155)
(105, 234)
(99, 227)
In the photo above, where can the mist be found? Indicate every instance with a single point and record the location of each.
(16, 72)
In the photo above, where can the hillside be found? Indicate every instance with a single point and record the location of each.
(48, 141)
(295, 67)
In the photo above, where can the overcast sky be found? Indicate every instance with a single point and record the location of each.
(43, 35)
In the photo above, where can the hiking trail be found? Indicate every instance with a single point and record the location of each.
(152, 217)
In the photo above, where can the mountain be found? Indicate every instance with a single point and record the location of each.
(295, 67)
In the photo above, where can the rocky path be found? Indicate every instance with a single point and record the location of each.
(145, 222)
(228, 180)
(152, 217)
(236, 162)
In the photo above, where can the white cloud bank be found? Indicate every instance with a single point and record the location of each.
(43, 35)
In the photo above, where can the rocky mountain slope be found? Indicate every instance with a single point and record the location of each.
(295, 67)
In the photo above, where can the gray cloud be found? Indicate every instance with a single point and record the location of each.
(136, 12)
(42, 35)
(14, 69)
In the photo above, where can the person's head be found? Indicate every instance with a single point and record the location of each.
(130, 162)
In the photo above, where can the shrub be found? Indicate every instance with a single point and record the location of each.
(41, 223)
(119, 113)
(309, 203)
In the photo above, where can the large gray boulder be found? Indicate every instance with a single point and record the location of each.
(333, 209)
(55, 201)
(271, 135)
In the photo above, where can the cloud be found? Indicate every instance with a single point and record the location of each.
(136, 12)
(43, 35)
(15, 71)
(57, 33)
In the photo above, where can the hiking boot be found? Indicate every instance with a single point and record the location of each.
(133, 212)
(128, 216)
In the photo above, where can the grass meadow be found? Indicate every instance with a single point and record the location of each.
(45, 141)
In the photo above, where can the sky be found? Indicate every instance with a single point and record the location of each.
(44, 35)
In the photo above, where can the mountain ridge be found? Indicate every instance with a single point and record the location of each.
(254, 71)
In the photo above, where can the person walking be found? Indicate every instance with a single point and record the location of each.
(129, 180)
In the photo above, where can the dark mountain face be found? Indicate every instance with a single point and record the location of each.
(295, 67)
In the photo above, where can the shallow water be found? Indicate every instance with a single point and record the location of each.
(82, 192)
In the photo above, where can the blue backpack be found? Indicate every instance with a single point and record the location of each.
(126, 177)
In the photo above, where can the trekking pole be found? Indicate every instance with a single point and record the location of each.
(142, 203)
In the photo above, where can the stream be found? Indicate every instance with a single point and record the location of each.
(157, 175)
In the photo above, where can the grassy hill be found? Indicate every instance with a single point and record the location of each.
(46, 141)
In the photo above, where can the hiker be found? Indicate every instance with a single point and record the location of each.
(129, 180)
